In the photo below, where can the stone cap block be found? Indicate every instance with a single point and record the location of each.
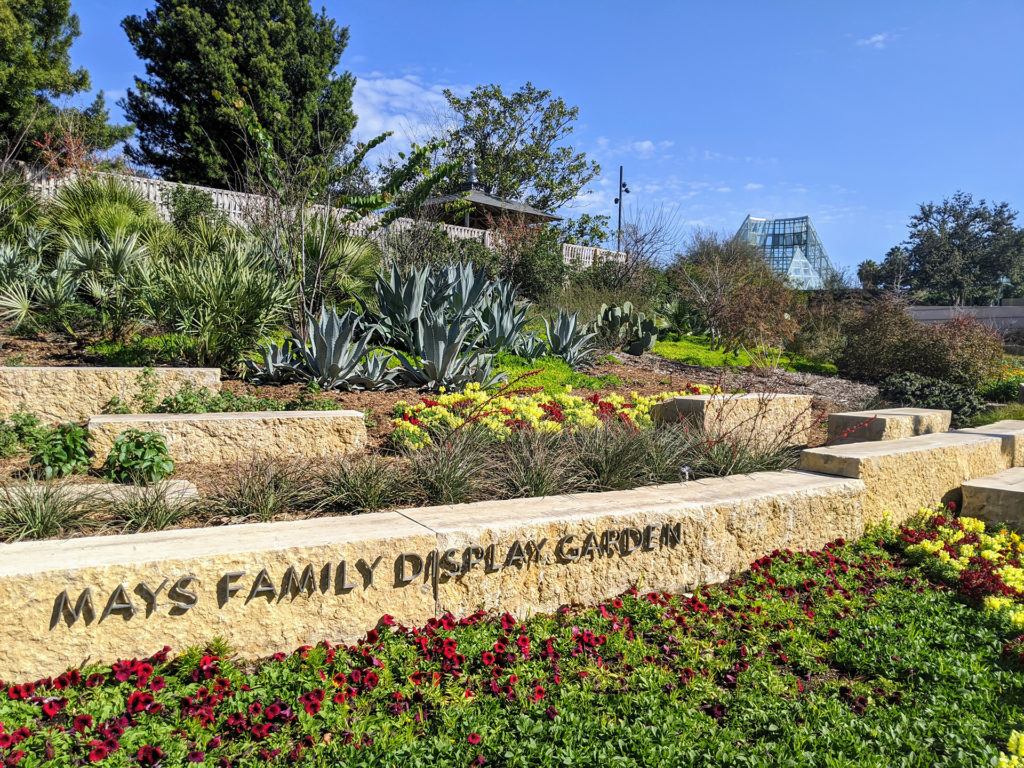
(188, 544)
(997, 498)
(227, 437)
(67, 393)
(904, 475)
(1010, 432)
(766, 416)
(885, 424)
(174, 491)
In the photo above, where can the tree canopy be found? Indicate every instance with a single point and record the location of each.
(36, 70)
(517, 142)
(956, 252)
(205, 56)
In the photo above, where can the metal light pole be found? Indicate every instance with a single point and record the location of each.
(623, 190)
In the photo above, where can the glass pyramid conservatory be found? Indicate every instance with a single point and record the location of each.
(791, 247)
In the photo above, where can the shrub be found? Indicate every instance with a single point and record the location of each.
(885, 340)
(21, 431)
(227, 299)
(64, 451)
(924, 392)
(189, 206)
(138, 457)
(739, 299)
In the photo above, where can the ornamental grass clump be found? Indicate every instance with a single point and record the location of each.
(365, 484)
(147, 508)
(454, 470)
(263, 489)
(45, 511)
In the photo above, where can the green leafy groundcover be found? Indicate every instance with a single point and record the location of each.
(844, 657)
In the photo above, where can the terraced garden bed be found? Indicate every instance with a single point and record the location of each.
(852, 655)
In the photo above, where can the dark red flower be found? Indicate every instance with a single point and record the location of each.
(487, 658)
(196, 756)
(473, 738)
(97, 753)
(149, 755)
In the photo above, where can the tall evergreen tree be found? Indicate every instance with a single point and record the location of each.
(204, 56)
(35, 70)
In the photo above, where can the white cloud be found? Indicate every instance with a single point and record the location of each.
(877, 41)
(723, 189)
(752, 186)
(405, 105)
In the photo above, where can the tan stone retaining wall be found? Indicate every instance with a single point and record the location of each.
(61, 394)
(272, 587)
(787, 418)
(228, 437)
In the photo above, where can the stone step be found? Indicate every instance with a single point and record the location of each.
(885, 424)
(1010, 432)
(997, 498)
(904, 475)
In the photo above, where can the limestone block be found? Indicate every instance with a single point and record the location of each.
(228, 437)
(1010, 432)
(1020, 393)
(173, 491)
(763, 416)
(532, 555)
(885, 424)
(263, 588)
(998, 498)
(61, 394)
(901, 476)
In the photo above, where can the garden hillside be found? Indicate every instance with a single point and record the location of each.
(844, 655)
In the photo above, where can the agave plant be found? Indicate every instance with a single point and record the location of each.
(501, 317)
(530, 346)
(568, 338)
(400, 302)
(446, 356)
(332, 354)
(373, 372)
(279, 362)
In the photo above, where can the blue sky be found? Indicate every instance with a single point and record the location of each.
(853, 113)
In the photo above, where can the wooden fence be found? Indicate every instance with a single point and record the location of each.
(238, 207)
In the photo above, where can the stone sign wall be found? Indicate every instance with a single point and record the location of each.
(272, 587)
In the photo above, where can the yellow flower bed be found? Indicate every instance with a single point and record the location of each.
(505, 412)
(1014, 757)
(984, 564)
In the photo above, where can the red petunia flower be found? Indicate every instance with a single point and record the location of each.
(473, 738)
(487, 658)
(97, 753)
(149, 755)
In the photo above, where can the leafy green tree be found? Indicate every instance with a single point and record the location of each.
(958, 251)
(517, 142)
(35, 69)
(204, 56)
